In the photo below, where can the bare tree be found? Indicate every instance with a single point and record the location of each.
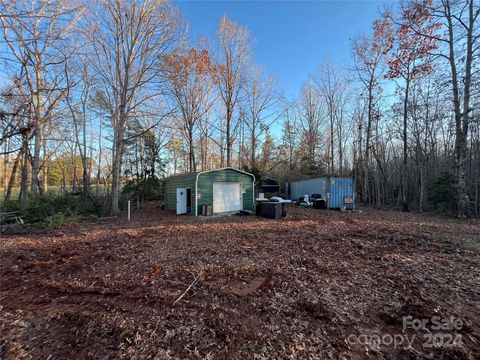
(16, 130)
(462, 21)
(261, 110)
(427, 112)
(129, 39)
(79, 84)
(332, 86)
(458, 46)
(290, 135)
(33, 32)
(206, 132)
(190, 86)
(311, 113)
(408, 60)
(233, 53)
(369, 55)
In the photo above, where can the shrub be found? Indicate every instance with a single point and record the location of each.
(60, 219)
(92, 218)
(53, 210)
(96, 205)
(10, 205)
(55, 220)
(38, 208)
(148, 189)
(442, 191)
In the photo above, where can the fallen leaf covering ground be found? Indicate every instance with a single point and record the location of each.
(257, 289)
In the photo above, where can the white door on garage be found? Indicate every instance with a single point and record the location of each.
(181, 201)
(227, 197)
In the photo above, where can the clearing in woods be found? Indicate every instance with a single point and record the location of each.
(307, 286)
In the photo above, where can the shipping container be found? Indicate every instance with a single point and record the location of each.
(298, 189)
(340, 193)
(337, 191)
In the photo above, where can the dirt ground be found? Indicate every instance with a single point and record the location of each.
(315, 285)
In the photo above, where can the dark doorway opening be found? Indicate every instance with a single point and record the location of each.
(189, 200)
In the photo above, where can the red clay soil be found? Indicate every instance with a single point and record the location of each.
(305, 287)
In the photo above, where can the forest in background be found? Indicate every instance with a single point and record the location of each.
(101, 98)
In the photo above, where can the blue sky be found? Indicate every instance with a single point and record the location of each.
(291, 38)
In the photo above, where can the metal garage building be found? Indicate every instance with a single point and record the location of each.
(333, 189)
(226, 189)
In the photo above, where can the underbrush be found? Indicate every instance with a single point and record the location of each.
(53, 210)
(60, 219)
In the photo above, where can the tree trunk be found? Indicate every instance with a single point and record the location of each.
(44, 182)
(367, 145)
(254, 147)
(240, 146)
(34, 186)
(405, 147)
(229, 147)
(85, 179)
(332, 149)
(477, 188)
(340, 154)
(222, 151)
(192, 166)
(25, 163)
(118, 139)
(85, 163)
(461, 118)
(99, 168)
(461, 160)
(228, 137)
(463, 202)
(117, 160)
(11, 181)
(116, 168)
(175, 162)
(359, 170)
(421, 201)
(43, 186)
